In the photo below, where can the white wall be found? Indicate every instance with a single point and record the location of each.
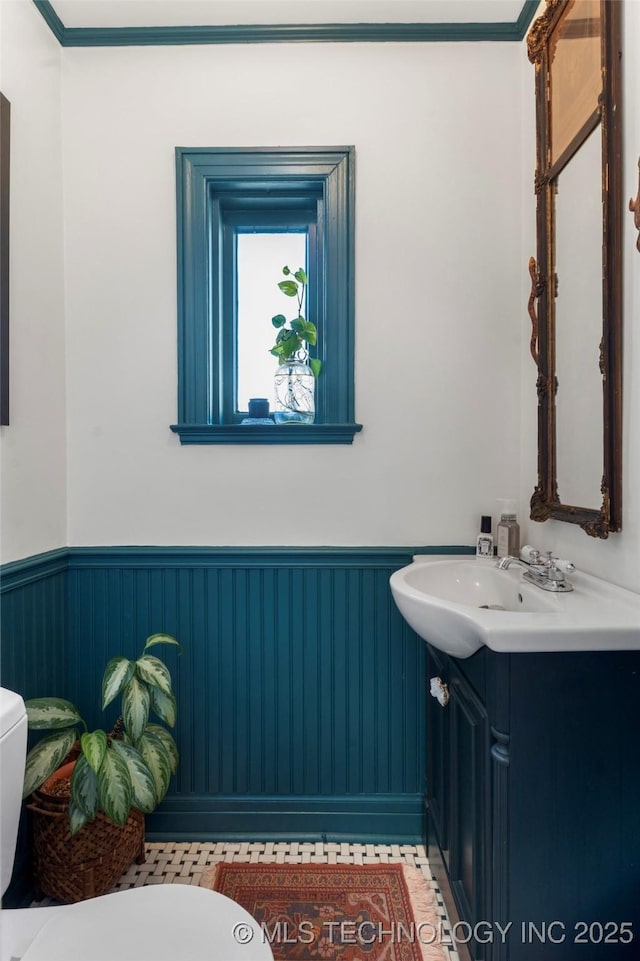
(438, 257)
(445, 224)
(618, 557)
(32, 448)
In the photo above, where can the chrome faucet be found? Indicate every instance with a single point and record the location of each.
(545, 572)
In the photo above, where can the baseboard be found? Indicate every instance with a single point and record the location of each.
(384, 818)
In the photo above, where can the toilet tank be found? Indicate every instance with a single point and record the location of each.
(13, 751)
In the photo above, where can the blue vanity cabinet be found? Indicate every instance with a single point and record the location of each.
(457, 793)
(437, 766)
(533, 803)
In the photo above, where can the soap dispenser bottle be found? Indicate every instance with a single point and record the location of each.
(484, 542)
(508, 531)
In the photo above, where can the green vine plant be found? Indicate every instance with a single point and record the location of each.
(131, 766)
(300, 331)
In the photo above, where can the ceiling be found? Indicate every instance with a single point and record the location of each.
(96, 14)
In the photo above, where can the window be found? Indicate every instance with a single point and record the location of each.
(253, 238)
(259, 258)
(243, 214)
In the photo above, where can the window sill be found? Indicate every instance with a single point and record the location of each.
(259, 434)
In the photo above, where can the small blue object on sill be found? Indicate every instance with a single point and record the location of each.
(258, 412)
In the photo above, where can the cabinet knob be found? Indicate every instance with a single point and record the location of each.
(439, 690)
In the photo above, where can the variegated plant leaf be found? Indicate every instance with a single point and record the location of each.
(169, 744)
(154, 671)
(84, 788)
(93, 747)
(117, 674)
(164, 705)
(162, 639)
(51, 713)
(114, 787)
(77, 817)
(135, 707)
(157, 760)
(45, 757)
(143, 790)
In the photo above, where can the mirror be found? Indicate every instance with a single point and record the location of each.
(578, 325)
(576, 295)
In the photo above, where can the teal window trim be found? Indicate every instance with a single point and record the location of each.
(255, 434)
(207, 177)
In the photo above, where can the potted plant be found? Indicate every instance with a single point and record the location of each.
(115, 779)
(296, 373)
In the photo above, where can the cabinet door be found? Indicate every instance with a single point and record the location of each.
(437, 760)
(469, 824)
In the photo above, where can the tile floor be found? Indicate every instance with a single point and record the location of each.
(174, 862)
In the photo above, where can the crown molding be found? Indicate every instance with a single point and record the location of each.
(285, 33)
(52, 20)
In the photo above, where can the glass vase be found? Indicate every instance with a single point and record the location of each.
(295, 391)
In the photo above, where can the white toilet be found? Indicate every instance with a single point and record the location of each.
(162, 922)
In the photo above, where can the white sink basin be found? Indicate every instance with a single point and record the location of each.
(458, 604)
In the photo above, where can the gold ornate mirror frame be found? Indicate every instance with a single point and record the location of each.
(573, 99)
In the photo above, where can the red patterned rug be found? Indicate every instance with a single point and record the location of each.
(334, 912)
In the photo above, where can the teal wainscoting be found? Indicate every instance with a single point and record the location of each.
(33, 625)
(300, 689)
(33, 658)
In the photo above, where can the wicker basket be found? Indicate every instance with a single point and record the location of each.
(75, 868)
